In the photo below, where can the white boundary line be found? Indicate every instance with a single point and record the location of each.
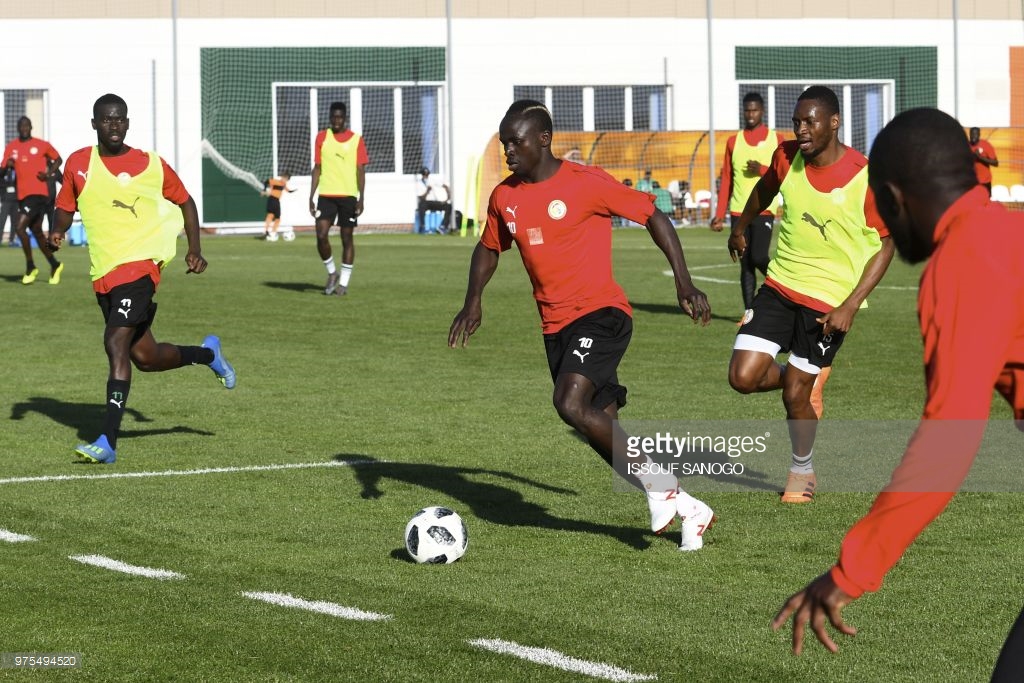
(330, 608)
(12, 537)
(184, 473)
(540, 655)
(115, 565)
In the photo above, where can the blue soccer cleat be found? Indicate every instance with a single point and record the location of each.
(98, 452)
(220, 366)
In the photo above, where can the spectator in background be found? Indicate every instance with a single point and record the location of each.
(645, 184)
(8, 204)
(662, 199)
(748, 154)
(984, 158)
(429, 198)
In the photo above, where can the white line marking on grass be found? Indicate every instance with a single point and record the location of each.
(12, 537)
(115, 565)
(540, 655)
(668, 273)
(183, 473)
(330, 608)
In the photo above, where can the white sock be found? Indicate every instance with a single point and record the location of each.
(346, 273)
(802, 464)
(329, 263)
(661, 480)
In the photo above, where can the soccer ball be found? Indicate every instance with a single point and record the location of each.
(436, 535)
(289, 235)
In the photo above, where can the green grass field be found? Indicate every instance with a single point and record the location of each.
(556, 558)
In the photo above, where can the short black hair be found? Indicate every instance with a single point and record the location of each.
(109, 98)
(823, 95)
(338, 106)
(533, 110)
(753, 97)
(922, 150)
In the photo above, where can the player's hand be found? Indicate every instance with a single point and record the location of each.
(695, 303)
(753, 167)
(839, 319)
(737, 245)
(54, 240)
(359, 206)
(716, 224)
(195, 262)
(821, 598)
(464, 325)
(312, 208)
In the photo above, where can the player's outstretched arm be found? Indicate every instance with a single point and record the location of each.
(760, 197)
(61, 222)
(194, 258)
(819, 600)
(467, 321)
(693, 301)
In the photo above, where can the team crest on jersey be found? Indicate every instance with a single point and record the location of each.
(123, 178)
(535, 236)
(33, 150)
(556, 209)
(838, 196)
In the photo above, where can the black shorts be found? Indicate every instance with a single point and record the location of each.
(337, 209)
(34, 206)
(775, 324)
(130, 305)
(593, 346)
(274, 206)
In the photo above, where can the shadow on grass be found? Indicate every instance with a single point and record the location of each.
(87, 418)
(675, 310)
(300, 287)
(487, 501)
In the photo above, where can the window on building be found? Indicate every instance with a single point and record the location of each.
(602, 107)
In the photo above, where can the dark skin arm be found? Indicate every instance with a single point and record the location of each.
(841, 317)
(759, 200)
(467, 321)
(821, 599)
(691, 300)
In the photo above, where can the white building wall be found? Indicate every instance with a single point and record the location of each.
(70, 60)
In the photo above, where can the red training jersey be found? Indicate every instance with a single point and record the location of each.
(982, 169)
(362, 157)
(30, 159)
(971, 310)
(563, 229)
(753, 137)
(132, 162)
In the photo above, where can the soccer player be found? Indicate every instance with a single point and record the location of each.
(747, 155)
(339, 172)
(33, 161)
(971, 312)
(126, 198)
(984, 158)
(273, 188)
(832, 251)
(559, 216)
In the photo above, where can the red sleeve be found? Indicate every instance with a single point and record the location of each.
(174, 189)
(8, 152)
(317, 145)
(782, 159)
(494, 236)
(872, 217)
(50, 152)
(968, 329)
(725, 184)
(75, 169)
(362, 158)
(989, 150)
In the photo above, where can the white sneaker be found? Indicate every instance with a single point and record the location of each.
(697, 519)
(663, 509)
(272, 237)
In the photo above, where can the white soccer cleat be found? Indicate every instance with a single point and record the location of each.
(663, 509)
(697, 518)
